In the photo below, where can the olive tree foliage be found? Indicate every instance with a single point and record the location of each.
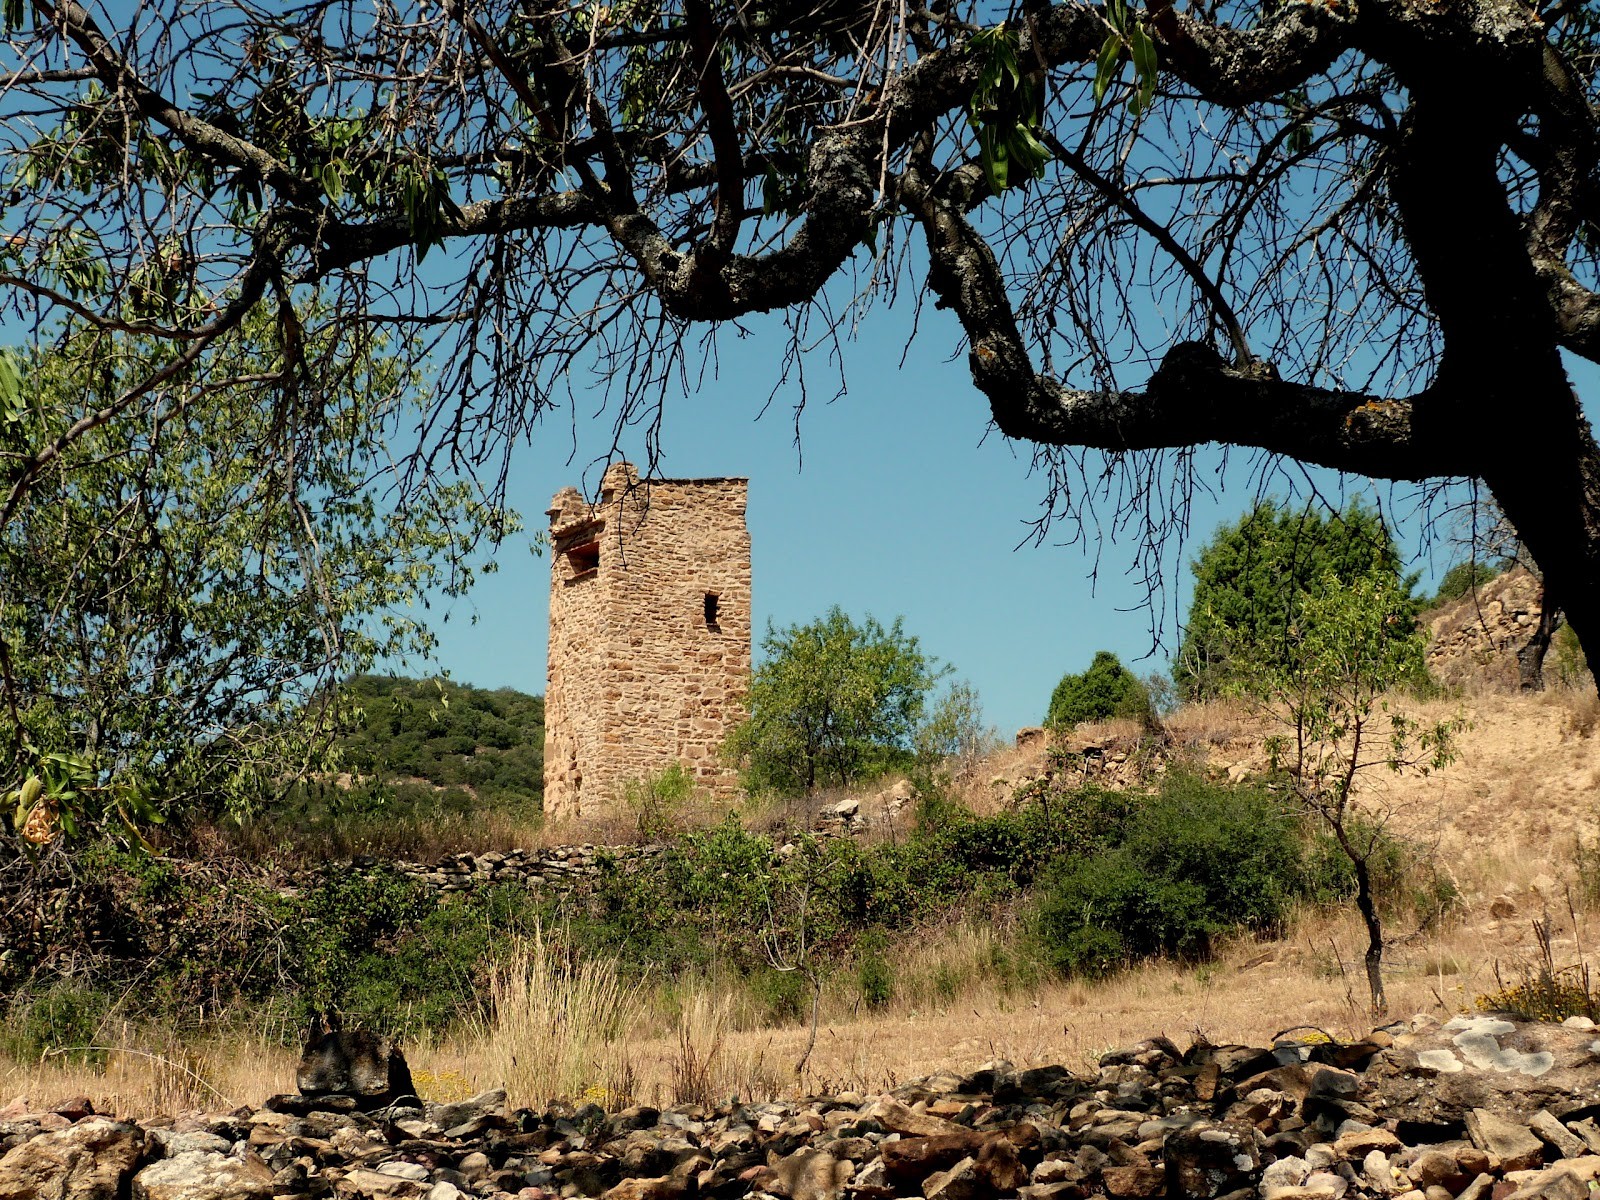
(1354, 641)
(180, 597)
(1354, 234)
(834, 701)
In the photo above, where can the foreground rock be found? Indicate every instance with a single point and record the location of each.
(339, 1065)
(1475, 1109)
(93, 1160)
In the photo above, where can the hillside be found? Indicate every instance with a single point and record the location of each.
(429, 766)
(933, 960)
(447, 735)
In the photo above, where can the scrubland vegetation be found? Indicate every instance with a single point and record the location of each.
(756, 955)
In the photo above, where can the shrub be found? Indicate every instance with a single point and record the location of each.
(1107, 689)
(64, 1018)
(1544, 992)
(1181, 868)
(1461, 579)
(380, 949)
(873, 972)
(657, 801)
(782, 996)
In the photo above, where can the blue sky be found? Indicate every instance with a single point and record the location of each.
(898, 502)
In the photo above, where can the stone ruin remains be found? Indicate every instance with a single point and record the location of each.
(649, 636)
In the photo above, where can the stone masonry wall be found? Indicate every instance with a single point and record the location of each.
(649, 636)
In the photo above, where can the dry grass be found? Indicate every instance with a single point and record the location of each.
(406, 836)
(1214, 723)
(144, 1072)
(578, 1033)
(987, 787)
(559, 1029)
(708, 1066)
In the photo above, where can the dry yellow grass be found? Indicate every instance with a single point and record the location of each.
(559, 1030)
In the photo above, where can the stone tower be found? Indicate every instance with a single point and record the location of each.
(649, 636)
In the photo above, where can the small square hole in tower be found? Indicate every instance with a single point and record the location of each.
(712, 601)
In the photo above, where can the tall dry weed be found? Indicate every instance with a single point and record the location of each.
(559, 1028)
(702, 1038)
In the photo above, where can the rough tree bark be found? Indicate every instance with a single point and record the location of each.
(1530, 659)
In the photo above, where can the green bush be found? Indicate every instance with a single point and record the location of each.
(873, 972)
(657, 802)
(1181, 868)
(1107, 689)
(782, 996)
(65, 1018)
(1461, 579)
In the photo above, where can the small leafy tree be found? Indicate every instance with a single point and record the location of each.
(1251, 576)
(832, 702)
(1353, 641)
(1107, 689)
(954, 730)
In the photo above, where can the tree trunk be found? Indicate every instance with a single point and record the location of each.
(1530, 659)
(1556, 514)
(1369, 916)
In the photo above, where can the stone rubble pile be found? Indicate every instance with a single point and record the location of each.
(1474, 640)
(1476, 1109)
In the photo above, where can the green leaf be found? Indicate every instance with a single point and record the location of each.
(999, 168)
(12, 407)
(1144, 65)
(1105, 66)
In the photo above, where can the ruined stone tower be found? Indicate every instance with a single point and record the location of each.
(649, 635)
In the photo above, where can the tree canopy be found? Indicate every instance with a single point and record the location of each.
(1359, 235)
(831, 702)
(178, 599)
(1252, 578)
(1107, 689)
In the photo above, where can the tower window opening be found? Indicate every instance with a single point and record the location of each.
(584, 559)
(711, 612)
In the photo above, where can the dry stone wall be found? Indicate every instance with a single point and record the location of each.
(560, 869)
(649, 636)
